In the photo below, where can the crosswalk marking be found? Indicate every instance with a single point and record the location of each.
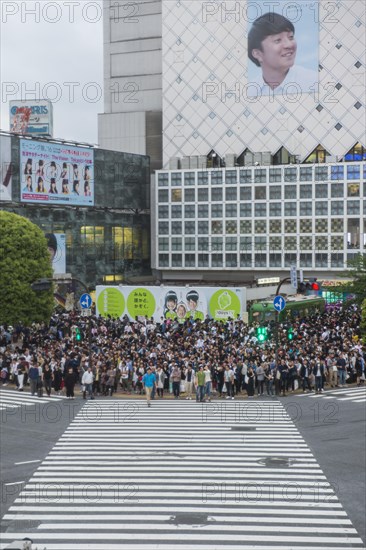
(354, 395)
(174, 476)
(11, 399)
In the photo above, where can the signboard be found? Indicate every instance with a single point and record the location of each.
(6, 170)
(57, 248)
(54, 173)
(279, 303)
(85, 301)
(34, 117)
(175, 303)
(293, 275)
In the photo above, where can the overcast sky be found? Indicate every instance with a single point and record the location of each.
(60, 56)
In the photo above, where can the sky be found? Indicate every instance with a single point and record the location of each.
(54, 53)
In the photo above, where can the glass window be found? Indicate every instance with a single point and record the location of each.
(245, 260)
(275, 226)
(231, 243)
(321, 260)
(230, 176)
(163, 228)
(290, 208)
(290, 174)
(231, 227)
(231, 260)
(260, 260)
(321, 173)
(202, 228)
(202, 244)
(260, 175)
(337, 260)
(260, 210)
(260, 193)
(275, 243)
(290, 191)
(353, 189)
(245, 210)
(163, 180)
(245, 193)
(163, 243)
(202, 210)
(176, 211)
(163, 195)
(353, 208)
(190, 228)
(275, 209)
(163, 260)
(337, 225)
(306, 243)
(176, 195)
(176, 179)
(337, 208)
(337, 190)
(245, 226)
(203, 260)
(306, 191)
(216, 194)
(353, 172)
(337, 243)
(260, 244)
(163, 212)
(305, 226)
(231, 194)
(176, 228)
(274, 174)
(321, 225)
(275, 260)
(190, 260)
(306, 260)
(189, 178)
(217, 243)
(321, 242)
(231, 210)
(216, 177)
(290, 243)
(321, 208)
(246, 243)
(176, 243)
(306, 174)
(189, 195)
(190, 211)
(290, 226)
(246, 176)
(216, 210)
(190, 243)
(306, 209)
(337, 172)
(290, 259)
(275, 192)
(216, 260)
(321, 191)
(177, 260)
(216, 227)
(260, 226)
(202, 194)
(202, 178)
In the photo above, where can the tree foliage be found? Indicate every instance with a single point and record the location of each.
(24, 257)
(357, 276)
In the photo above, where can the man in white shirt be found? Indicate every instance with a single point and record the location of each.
(87, 382)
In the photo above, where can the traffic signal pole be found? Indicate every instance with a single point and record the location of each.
(277, 318)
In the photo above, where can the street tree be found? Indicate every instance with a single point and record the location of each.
(357, 278)
(24, 257)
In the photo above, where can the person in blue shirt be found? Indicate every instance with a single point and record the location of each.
(148, 383)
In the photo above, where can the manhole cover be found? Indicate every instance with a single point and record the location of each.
(243, 429)
(189, 519)
(276, 462)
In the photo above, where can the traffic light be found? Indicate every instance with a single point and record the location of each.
(78, 335)
(290, 334)
(262, 334)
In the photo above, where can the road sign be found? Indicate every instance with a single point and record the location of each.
(293, 274)
(86, 312)
(85, 301)
(279, 303)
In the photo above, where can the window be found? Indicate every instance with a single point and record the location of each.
(321, 173)
(163, 195)
(176, 179)
(290, 226)
(321, 225)
(321, 208)
(177, 260)
(231, 227)
(189, 178)
(246, 176)
(216, 243)
(216, 177)
(260, 226)
(353, 172)
(337, 190)
(245, 226)
(321, 260)
(306, 260)
(275, 243)
(163, 228)
(203, 260)
(337, 172)
(176, 243)
(216, 227)
(358, 152)
(260, 193)
(274, 174)
(337, 243)
(305, 226)
(353, 208)
(306, 243)
(202, 244)
(176, 195)
(245, 210)
(202, 178)
(231, 260)
(337, 208)
(306, 191)
(275, 192)
(353, 190)
(163, 260)
(163, 212)
(260, 244)
(189, 195)
(290, 243)
(290, 259)
(216, 210)
(176, 211)
(202, 194)
(290, 192)
(260, 260)
(176, 228)
(202, 228)
(260, 175)
(190, 228)
(245, 193)
(318, 156)
(275, 226)
(290, 174)
(245, 244)
(245, 260)
(231, 210)
(337, 260)
(230, 176)
(321, 191)
(190, 260)
(216, 260)
(306, 174)
(260, 210)
(275, 209)
(231, 194)
(163, 244)
(275, 260)
(231, 243)
(202, 210)
(216, 194)
(290, 208)
(189, 211)
(337, 225)
(190, 243)
(306, 209)
(321, 242)
(163, 180)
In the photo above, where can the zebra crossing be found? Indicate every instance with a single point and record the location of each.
(353, 395)
(11, 399)
(180, 475)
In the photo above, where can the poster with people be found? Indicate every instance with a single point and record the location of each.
(6, 171)
(56, 243)
(56, 173)
(178, 304)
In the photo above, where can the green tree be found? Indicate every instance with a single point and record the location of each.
(357, 276)
(363, 321)
(24, 257)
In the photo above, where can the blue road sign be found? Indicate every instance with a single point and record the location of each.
(85, 301)
(279, 303)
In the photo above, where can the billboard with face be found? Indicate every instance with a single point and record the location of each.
(6, 171)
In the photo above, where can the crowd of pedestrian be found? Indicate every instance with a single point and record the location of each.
(195, 360)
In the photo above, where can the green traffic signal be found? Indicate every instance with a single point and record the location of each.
(290, 334)
(78, 335)
(262, 334)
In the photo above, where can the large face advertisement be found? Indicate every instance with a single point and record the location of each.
(175, 303)
(56, 243)
(53, 173)
(5, 168)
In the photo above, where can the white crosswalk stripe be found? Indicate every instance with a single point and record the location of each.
(354, 395)
(11, 399)
(182, 475)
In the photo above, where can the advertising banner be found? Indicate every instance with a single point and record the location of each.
(34, 117)
(54, 173)
(5, 168)
(175, 303)
(57, 249)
